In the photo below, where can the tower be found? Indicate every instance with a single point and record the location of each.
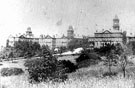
(70, 32)
(116, 25)
(29, 32)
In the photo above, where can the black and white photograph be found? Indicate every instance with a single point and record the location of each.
(67, 43)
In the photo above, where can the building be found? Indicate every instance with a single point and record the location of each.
(110, 36)
(70, 32)
(51, 42)
(101, 38)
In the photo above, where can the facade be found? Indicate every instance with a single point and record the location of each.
(51, 42)
(101, 38)
(70, 32)
(111, 36)
(107, 36)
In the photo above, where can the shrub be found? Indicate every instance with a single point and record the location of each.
(86, 56)
(11, 71)
(87, 59)
(110, 74)
(44, 69)
(69, 66)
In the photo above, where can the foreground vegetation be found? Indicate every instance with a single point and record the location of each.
(82, 78)
(89, 71)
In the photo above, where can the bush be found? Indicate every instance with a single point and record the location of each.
(44, 69)
(110, 74)
(86, 56)
(70, 67)
(87, 59)
(11, 71)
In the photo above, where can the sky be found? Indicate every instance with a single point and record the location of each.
(54, 16)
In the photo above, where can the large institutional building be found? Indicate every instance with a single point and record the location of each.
(111, 36)
(101, 38)
(51, 42)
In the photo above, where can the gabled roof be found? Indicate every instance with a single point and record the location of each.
(22, 36)
(48, 36)
(109, 32)
(106, 31)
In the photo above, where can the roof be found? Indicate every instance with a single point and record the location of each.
(48, 36)
(22, 36)
(109, 32)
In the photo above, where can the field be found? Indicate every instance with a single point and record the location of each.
(83, 78)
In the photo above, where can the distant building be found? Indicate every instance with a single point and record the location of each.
(113, 36)
(101, 38)
(70, 32)
(51, 42)
(29, 33)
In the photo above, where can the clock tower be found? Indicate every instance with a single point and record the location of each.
(116, 25)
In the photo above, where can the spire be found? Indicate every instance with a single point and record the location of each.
(116, 17)
(116, 23)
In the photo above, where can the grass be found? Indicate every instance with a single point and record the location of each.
(11, 71)
(21, 82)
(82, 78)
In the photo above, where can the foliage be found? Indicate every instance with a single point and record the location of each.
(110, 74)
(62, 49)
(86, 59)
(111, 60)
(45, 52)
(124, 38)
(11, 71)
(26, 48)
(111, 53)
(84, 56)
(70, 67)
(132, 45)
(76, 43)
(46, 68)
(11, 55)
(104, 50)
(123, 61)
(4, 53)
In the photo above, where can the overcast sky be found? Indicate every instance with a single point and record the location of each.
(54, 16)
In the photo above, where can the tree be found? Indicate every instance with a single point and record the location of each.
(73, 44)
(124, 50)
(111, 60)
(62, 49)
(45, 52)
(26, 48)
(124, 38)
(132, 45)
(123, 58)
(76, 43)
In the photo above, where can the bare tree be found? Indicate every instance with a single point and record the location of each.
(111, 60)
(123, 58)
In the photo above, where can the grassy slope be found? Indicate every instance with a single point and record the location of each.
(82, 78)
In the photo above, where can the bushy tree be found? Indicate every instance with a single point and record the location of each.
(86, 59)
(44, 69)
(131, 44)
(68, 65)
(111, 58)
(105, 50)
(47, 67)
(26, 48)
(124, 52)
